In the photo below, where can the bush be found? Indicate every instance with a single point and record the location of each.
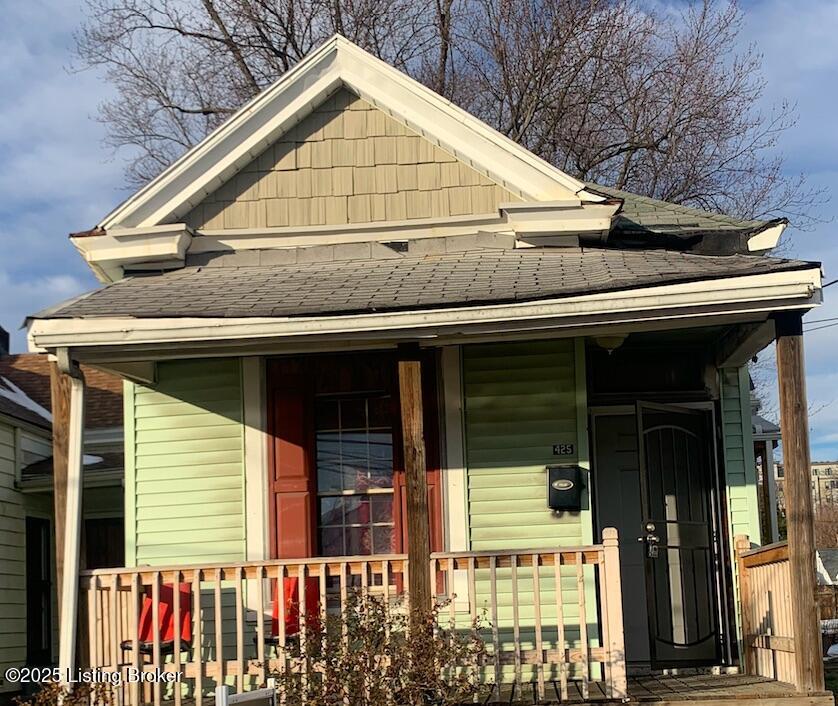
(379, 655)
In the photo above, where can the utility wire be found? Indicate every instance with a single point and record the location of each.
(819, 321)
(819, 328)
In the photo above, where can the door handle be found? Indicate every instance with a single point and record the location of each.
(652, 541)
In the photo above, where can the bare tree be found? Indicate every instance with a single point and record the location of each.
(826, 525)
(656, 102)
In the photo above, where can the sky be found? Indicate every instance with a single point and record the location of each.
(56, 176)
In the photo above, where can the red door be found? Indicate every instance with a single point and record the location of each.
(336, 471)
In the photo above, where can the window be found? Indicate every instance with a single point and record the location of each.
(354, 461)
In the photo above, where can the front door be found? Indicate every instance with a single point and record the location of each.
(678, 535)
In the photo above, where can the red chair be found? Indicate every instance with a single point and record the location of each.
(165, 620)
(291, 601)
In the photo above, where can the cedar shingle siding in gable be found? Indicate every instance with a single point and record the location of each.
(348, 162)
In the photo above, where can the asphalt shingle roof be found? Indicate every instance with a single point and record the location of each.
(641, 213)
(490, 276)
(30, 373)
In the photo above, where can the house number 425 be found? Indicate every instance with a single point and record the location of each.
(563, 449)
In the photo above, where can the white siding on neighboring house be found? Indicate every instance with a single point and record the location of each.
(12, 579)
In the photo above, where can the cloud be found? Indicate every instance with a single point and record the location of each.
(55, 176)
(30, 294)
(800, 62)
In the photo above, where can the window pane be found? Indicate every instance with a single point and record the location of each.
(354, 460)
(358, 541)
(382, 508)
(381, 459)
(328, 450)
(331, 511)
(331, 541)
(357, 509)
(327, 414)
(384, 540)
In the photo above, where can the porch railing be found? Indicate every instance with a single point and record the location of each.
(765, 604)
(551, 619)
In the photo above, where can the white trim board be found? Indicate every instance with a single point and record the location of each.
(454, 470)
(255, 457)
(339, 62)
(798, 289)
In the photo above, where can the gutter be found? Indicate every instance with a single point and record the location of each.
(796, 289)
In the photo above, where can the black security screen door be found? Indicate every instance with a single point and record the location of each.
(678, 534)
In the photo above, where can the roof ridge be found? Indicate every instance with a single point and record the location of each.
(709, 215)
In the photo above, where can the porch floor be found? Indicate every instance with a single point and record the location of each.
(697, 689)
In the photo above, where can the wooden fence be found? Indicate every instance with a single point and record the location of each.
(765, 603)
(552, 619)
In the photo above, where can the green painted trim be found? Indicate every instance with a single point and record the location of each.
(748, 454)
(583, 457)
(128, 390)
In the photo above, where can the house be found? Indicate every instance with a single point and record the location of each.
(28, 615)
(363, 334)
(767, 437)
(824, 483)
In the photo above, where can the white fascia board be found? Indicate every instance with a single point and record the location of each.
(122, 246)
(247, 133)
(766, 292)
(767, 238)
(555, 218)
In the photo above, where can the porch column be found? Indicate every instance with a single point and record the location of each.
(799, 506)
(68, 425)
(416, 481)
(60, 397)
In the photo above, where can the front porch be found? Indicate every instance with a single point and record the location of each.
(538, 651)
(266, 485)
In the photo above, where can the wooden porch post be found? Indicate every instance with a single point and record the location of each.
(416, 482)
(68, 423)
(799, 506)
(60, 396)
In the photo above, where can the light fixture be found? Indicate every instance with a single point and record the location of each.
(611, 342)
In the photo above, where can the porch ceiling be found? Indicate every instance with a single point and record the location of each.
(491, 276)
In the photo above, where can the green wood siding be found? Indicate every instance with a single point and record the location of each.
(740, 466)
(12, 581)
(520, 400)
(185, 465)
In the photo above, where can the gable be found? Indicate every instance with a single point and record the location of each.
(348, 162)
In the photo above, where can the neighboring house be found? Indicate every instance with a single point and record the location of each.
(824, 483)
(353, 291)
(767, 438)
(28, 622)
(827, 567)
